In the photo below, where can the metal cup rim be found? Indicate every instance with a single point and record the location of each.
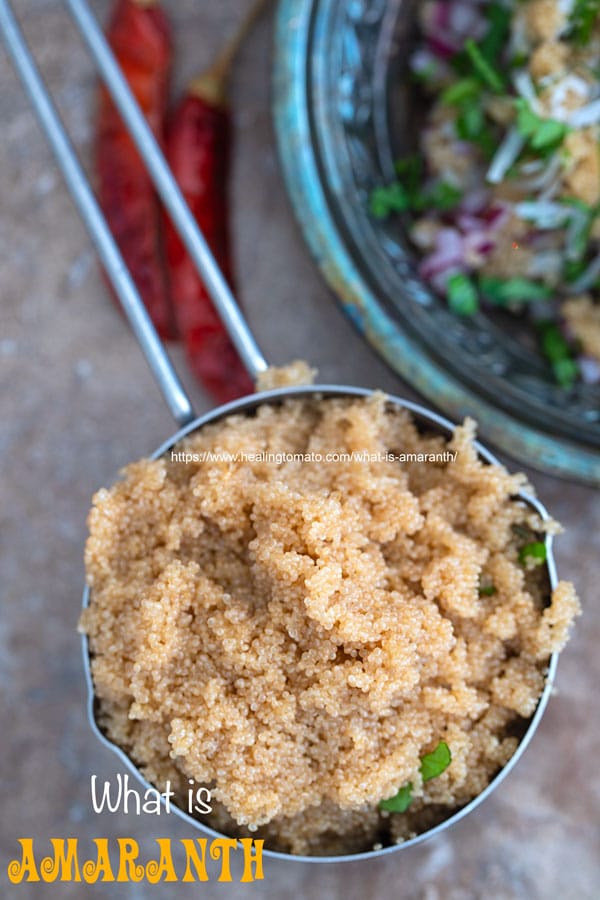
(445, 425)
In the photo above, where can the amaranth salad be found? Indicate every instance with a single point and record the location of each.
(504, 194)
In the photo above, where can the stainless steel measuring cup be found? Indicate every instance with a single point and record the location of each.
(158, 359)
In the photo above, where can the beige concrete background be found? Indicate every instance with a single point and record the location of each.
(78, 403)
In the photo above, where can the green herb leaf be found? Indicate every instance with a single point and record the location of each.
(461, 91)
(436, 762)
(513, 291)
(462, 295)
(486, 590)
(470, 122)
(483, 68)
(520, 59)
(471, 125)
(432, 765)
(542, 134)
(559, 353)
(536, 551)
(442, 196)
(527, 121)
(550, 133)
(407, 193)
(388, 199)
(582, 20)
(496, 37)
(409, 170)
(553, 343)
(566, 372)
(400, 802)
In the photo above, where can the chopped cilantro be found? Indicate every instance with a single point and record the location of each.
(548, 134)
(535, 551)
(400, 802)
(542, 134)
(442, 196)
(408, 195)
(483, 68)
(432, 765)
(582, 20)
(462, 295)
(463, 90)
(519, 60)
(496, 37)
(409, 170)
(486, 590)
(555, 346)
(565, 371)
(513, 291)
(388, 199)
(470, 122)
(436, 762)
(471, 126)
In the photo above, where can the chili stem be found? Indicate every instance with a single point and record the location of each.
(211, 85)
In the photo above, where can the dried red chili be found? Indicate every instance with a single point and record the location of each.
(139, 36)
(198, 149)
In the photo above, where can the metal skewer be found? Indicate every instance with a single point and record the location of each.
(92, 215)
(167, 187)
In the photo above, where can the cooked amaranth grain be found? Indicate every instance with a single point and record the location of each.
(298, 635)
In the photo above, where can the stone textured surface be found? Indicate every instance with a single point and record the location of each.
(78, 403)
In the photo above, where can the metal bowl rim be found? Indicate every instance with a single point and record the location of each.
(296, 24)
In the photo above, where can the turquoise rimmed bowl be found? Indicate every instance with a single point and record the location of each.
(343, 113)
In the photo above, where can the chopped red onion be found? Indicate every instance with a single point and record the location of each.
(440, 47)
(448, 251)
(440, 18)
(477, 246)
(468, 223)
(466, 20)
(475, 202)
(497, 215)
